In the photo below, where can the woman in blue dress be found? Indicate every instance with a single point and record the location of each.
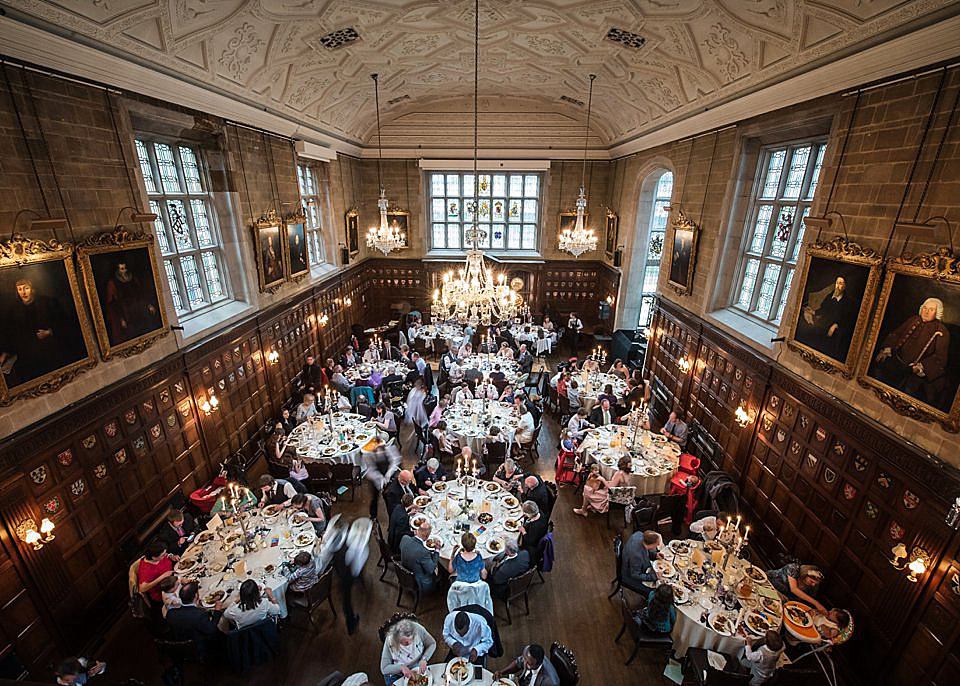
(466, 563)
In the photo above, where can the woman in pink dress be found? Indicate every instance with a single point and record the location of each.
(596, 496)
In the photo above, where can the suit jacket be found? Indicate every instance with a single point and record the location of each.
(398, 528)
(540, 497)
(393, 492)
(525, 360)
(637, 562)
(422, 476)
(500, 574)
(169, 535)
(191, 623)
(415, 556)
(596, 417)
(536, 530)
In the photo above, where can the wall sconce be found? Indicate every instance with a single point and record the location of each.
(953, 515)
(611, 300)
(27, 531)
(324, 318)
(742, 417)
(918, 565)
(210, 406)
(684, 364)
(899, 555)
(347, 302)
(273, 357)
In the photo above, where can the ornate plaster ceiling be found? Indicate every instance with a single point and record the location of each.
(696, 54)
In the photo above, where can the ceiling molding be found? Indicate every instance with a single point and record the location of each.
(486, 154)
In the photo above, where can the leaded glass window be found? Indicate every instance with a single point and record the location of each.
(655, 240)
(310, 197)
(785, 184)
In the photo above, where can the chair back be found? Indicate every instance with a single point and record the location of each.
(553, 493)
(618, 553)
(626, 614)
(496, 452)
(405, 577)
(565, 664)
(177, 651)
(721, 678)
(688, 463)
(518, 585)
(396, 617)
(342, 473)
(622, 495)
(462, 593)
(320, 591)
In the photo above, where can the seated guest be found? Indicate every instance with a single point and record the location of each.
(533, 529)
(275, 491)
(446, 442)
(761, 655)
(177, 532)
(486, 390)
(465, 351)
(329, 366)
(391, 377)
(406, 650)
(286, 421)
(506, 352)
(509, 476)
(386, 420)
(535, 489)
(497, 374)
(306, 409)
(798, 582)
(298, 471)
(660, 614)
(591, 365)
(387, 351)
(507, 395)
(618, 368)
(448, 359)
(415, 556)
(596, 498)
(371, 354)
(312, 506)
(302, 574)
(170, 594)
(563, 380)
(401, 484)
(419, 363)
(466, 564)
(349, 359)
(633, 395)
(608, 395)
(675, 430)
(524, 359)
(834, 625)
(533, 667)
(530, 402)
(399, 524)
(275, 441)
(155, 566)
(708, 527)
(191, 623)
(429, 474)
(573, 396)
(494, 436)
(340, 380)
(508, 564)
(603, 415)
(637, 558)
(251, 607)
(75, 671)
(437, 413)
(578, 425)
(468, 635)
(461, 393)
(525, 424)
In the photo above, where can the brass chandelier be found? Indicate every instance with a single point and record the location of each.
(581, 239)
(384, 237)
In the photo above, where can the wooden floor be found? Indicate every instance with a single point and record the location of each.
(572, 608)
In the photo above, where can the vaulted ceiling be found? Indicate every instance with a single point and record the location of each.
(311, 59)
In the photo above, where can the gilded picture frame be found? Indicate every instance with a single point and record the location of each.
(127, 308)
(612, 233)
(352, 226)
(838, 284)
(683, 254)
(567, 220)
(400, 220)
(46, 340)
(912, 357)
(296, 248)
(269, 248)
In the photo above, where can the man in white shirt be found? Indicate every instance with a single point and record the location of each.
(486, 390)
(525, 425)
(418, 362)
(578, 424)
(461, 393)
(675, 430)
(533, 667)
(372, 354)
(468, 635)
(708, 526)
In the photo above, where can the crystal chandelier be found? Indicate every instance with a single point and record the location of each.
(384, 238)
(474, 295)
(580, 239)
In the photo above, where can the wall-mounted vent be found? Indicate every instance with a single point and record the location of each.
(572, 101)
(339, 38)
(627, 38)
(396, 100)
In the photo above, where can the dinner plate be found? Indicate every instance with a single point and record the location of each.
(511, 525)
(484, 518)
(664, 568)
(511, 502)
(504, 681)
(304, 538)
(797, 614)
(679, 547)
(329, 450)
(756, 574)
(204, 537)
(435, 543)
(758, 623)
(439, 486)
(721, 623)
(298, 518)
(495, 546)
(425, 679)
(422, 500)
(459, 672)
(650, 471)
(681, 595)
(771, 605)
(272, 510)
(491, 487)
(214, 597)
(417, 520)
(187, 564)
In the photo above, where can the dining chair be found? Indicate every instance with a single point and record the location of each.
(642, 637)
(407, 581)
(565, 664)
(519, 587)
(315, 596)
(344, 474)
(396, 617)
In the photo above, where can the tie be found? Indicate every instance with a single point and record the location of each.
(606, 417)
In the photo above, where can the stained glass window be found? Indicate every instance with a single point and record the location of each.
(310, 197)
(655, 239)
(508, 210)
(785, 185)
(186, 226)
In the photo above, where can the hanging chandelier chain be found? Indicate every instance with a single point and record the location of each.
(476, 119)
(376, 99)
(586, 137)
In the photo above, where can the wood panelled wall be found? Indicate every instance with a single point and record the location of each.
(828, 485)
(104, 468)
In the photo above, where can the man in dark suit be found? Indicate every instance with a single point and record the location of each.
(177, 532)
(536, 490)
(399, 525)
(637, 558)
(191, 623)
(603, 415)
(512, 562)
(388, 352)
(399, 485)
(429, 474)
(415, 556)
(311, 376)
(533, 666)
(525, 359)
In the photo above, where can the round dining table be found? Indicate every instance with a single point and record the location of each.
(219, 563)
(438, 671)
(451, 334)
(487, 362)
(653, 459)
(704, 620)
(591, 385)
(344, 440)
(469, 420)
(365, 369)
(469, 504)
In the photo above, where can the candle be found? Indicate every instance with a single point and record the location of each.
(746, 534)
(737, 527)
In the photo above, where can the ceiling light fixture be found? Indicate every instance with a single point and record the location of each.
(580, 239)
(383, 237)
(474, 294)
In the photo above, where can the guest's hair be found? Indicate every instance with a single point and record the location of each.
(608, 389)
(174, 515)
(772, 640)
(843, 619)
(811, 572)
(651, 538)
(530, 508)
(510, 547)
(267, 480)
(510, 462)
(406, 500)
(299, 500)
(156, 548)
(461, 622)
(405, 628)
(188, 592)
(535, 650)
(249, 595)
(168, 583)
(302, 559)
(582, 412)
(494, 430)
(468, 542)
(433, 463)
(625, 464)
(659, 608)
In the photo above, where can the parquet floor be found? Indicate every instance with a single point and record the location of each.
(571, 607)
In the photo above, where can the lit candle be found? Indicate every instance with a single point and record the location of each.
(746, 534)
(737, 527)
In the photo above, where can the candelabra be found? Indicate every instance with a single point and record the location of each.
(729, 537)
(237, 494)
(599, 355)
(472, 471)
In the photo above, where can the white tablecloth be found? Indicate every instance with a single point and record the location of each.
(364, 369)
(689, 630)
(314, 441)
(486, 364)
(450, 333)
(470, 421)
(445, 510)
(275, 543)
(437, 672)
(654, 460)
(591, 385)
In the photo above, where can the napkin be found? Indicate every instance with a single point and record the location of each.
(768, 591)
(214, 523)
(716, 660)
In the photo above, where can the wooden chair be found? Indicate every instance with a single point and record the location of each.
(175, 655)
(618, 577)
(316, 595)
(642, 637)
(628, 494)
(496, 454)
(553, 494)
(565, 662)
(406, 582)
(519, 587)
(344, 474)
(396, 617)
(670, 509)
(528, 451)
(386, 555)
(697, 670)
(319, 476)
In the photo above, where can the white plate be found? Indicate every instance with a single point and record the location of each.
(459, 681)
(729, 623)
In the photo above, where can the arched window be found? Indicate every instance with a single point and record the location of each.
(654, 247)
